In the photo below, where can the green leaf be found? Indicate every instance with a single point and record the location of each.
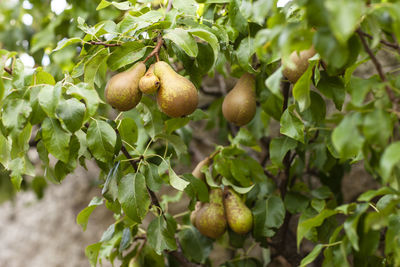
(273, 82)
(389, 159)
(346, 138)
(87, 93)
(209, 37)
(296, 202)
(66, 42)
(244, 54)
(56, 139)
(83, 216)
(92, 253)
(279, 147)
(370, 194)
(49, 97)
(17, 168)
(188, 7)
(351, 223)
(160, 236)
(197, 188)
(344, 17)
(301, 90)
(153, 179)
(175, 123)
(236, 17)
(72, 113)
(307, 225)
(101, 139)
(92, 65)
(110, 188)
(15, 115)
(175, 141)
(195, 246)
(125, 240)
(377, 127)
(311, 256)
(175, 181)
(129, 132)
(151, 117)
(103, 4)
(268, 214)
(333, 88)
(291, 125)
(128, 53)
(183, 40)
(133, 196)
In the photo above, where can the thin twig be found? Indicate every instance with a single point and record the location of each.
(8, 70)
(103, 43)
(156, 49)
(378, 67)
(169, 7)
(389, 44)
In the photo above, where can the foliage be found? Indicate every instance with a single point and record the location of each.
(331, 119)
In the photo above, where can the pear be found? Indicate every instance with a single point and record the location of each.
(210, 219)
(238, 215)
(300, 64)
(177, 95)
(197, 170)
(134, 263)
(239, 106)
(122, 90)
(149, 83)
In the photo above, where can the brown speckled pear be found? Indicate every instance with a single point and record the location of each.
(239, 106)
(300, 62)
(149, 83)
(177, 95)
(122, 90)
(210, 219)
(238, 215)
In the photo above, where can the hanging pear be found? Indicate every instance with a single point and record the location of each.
(210, 219)
(239, 106)
(122, 90)
(300, 64)
(149, 83)
(177, 95)
(238, 215)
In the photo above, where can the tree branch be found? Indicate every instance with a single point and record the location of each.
(378, 67)
(8, 70)
(103, 43)
(389, 44)
(156, 49)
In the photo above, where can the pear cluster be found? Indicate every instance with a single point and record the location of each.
(176, 95)
(225, 208)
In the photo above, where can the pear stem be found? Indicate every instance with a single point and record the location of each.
(156, 49)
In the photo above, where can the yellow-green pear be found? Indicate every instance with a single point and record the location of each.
(239, 106)
(149, 83)
(238, 215)
(210, 219)
(300, 64)
(122, 90)
(177, 95)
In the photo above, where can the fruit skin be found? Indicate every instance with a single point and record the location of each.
(210, 219)
(300, 61)
(239, 106)
(177, 95)
(238, 215)
(122, 90)
(149, 83)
